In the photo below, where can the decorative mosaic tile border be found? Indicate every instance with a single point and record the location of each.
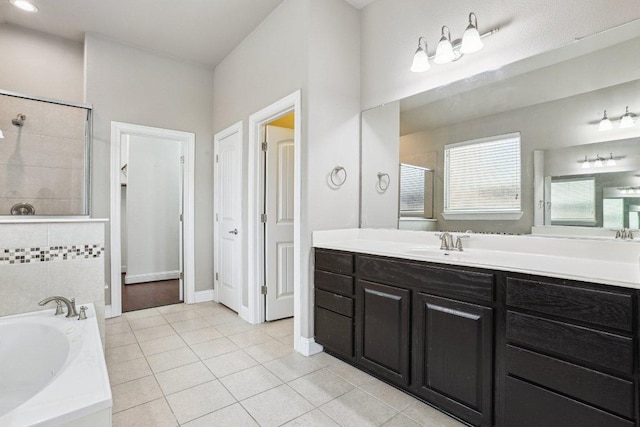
(50, 253)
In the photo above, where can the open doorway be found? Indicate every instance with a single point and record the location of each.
(151, 221)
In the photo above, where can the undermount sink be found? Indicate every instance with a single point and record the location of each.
(428, 251)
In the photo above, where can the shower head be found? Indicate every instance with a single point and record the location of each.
(19, 120)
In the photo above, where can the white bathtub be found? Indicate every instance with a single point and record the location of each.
(52, 371)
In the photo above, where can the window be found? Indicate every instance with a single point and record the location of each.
(415, 191)
(573, 201)
(482, 178)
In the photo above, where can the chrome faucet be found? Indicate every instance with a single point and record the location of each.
(459, 241)
(71, 304)
(447, 241)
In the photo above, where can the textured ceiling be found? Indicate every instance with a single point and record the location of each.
(201, 31)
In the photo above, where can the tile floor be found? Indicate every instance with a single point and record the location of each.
(200, 365)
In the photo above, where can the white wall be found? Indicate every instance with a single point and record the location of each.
(310, 45)
(153, 209)
(133, 86)
(39, 64)
(381, 137)
(390, 31)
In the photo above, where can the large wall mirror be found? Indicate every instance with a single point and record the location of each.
(546, 107)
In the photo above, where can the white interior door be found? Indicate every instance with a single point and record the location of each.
(279, 224)
(228, 186)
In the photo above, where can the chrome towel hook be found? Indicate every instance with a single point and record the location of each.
(338, 178)
(383, 184)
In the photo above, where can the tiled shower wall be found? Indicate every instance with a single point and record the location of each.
(38, 260)
(43, 162)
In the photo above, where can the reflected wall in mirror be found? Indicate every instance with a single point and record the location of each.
(603, 191)
(554, 100)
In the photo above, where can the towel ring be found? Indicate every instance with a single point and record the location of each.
(383, 184)
(335, 176)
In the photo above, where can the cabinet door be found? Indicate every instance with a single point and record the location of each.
(453, 356)
(382, 330)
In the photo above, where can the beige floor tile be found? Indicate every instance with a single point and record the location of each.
(154, 332)
(324, 359)
(200, 400)
(321, 387)
(141, 314)
(156, 413)
(249, 338)
(292, 366)
(388, 394)
(115, 320)
(353, 375)
(214, 348)
(147, 322)
(235, 327)
(357, 408)
(426, 415)
(268, 351)
(278, 329)
(123, 354)
(117, 328)
(207, 310)
(184, 377)
(171, 359)
(173, 308)
(315, 418)
(221, 318)
(160, 345)
(276, 406)
(119, 340)
(180, 316)
(230, 363)
(134, 393)
(401, 420)
(250, 382)
(287, 340)
(200, 335)
(190, 324)
(127, 371)
(233, 415)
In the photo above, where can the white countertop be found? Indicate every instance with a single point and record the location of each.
(610, 262)
(26, 219)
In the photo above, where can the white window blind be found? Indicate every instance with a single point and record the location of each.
(412, 181)
(573, 201)
(483, 175)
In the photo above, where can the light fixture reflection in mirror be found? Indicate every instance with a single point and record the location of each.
(605, 123)
(627, 120)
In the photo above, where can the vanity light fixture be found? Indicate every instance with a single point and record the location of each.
(448, 50)
(585, 162)
(605, 123)
(24, 5)
(627, 120)
(598, 163)
(421, 57)
(611, 161)
(1, 134)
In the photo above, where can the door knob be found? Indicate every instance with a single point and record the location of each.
(234, 231)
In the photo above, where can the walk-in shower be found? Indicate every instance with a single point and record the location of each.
(44, 156)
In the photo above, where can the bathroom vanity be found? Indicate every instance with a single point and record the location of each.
(505, 337)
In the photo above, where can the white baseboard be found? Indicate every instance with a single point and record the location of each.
(107, 312)
(204, 296)
(123, 268)
(151, 277)
(308, 346)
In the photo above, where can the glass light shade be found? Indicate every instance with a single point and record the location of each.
(605, 123)
(627, 120)
(444, 52)
(1, 134)
(611, 161)
(471, 41)
(623, 191)
(420, 61)
(585, 163)
(598, 163)
(24, 5)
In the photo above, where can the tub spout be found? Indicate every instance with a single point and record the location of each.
(71, 304)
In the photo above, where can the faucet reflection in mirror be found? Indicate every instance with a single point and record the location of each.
(447, 50)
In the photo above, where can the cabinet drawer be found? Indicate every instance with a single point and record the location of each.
(599, 307)
(339, 262)
(602, 349)
(332, 282)
(531, 406)
(602, 390)
(337, 303)
(334, 331)
(448, 281)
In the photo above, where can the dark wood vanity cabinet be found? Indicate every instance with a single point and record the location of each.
(489, 347)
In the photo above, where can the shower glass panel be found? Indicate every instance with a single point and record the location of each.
(44, 156)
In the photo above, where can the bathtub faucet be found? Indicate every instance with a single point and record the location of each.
(71, 305)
